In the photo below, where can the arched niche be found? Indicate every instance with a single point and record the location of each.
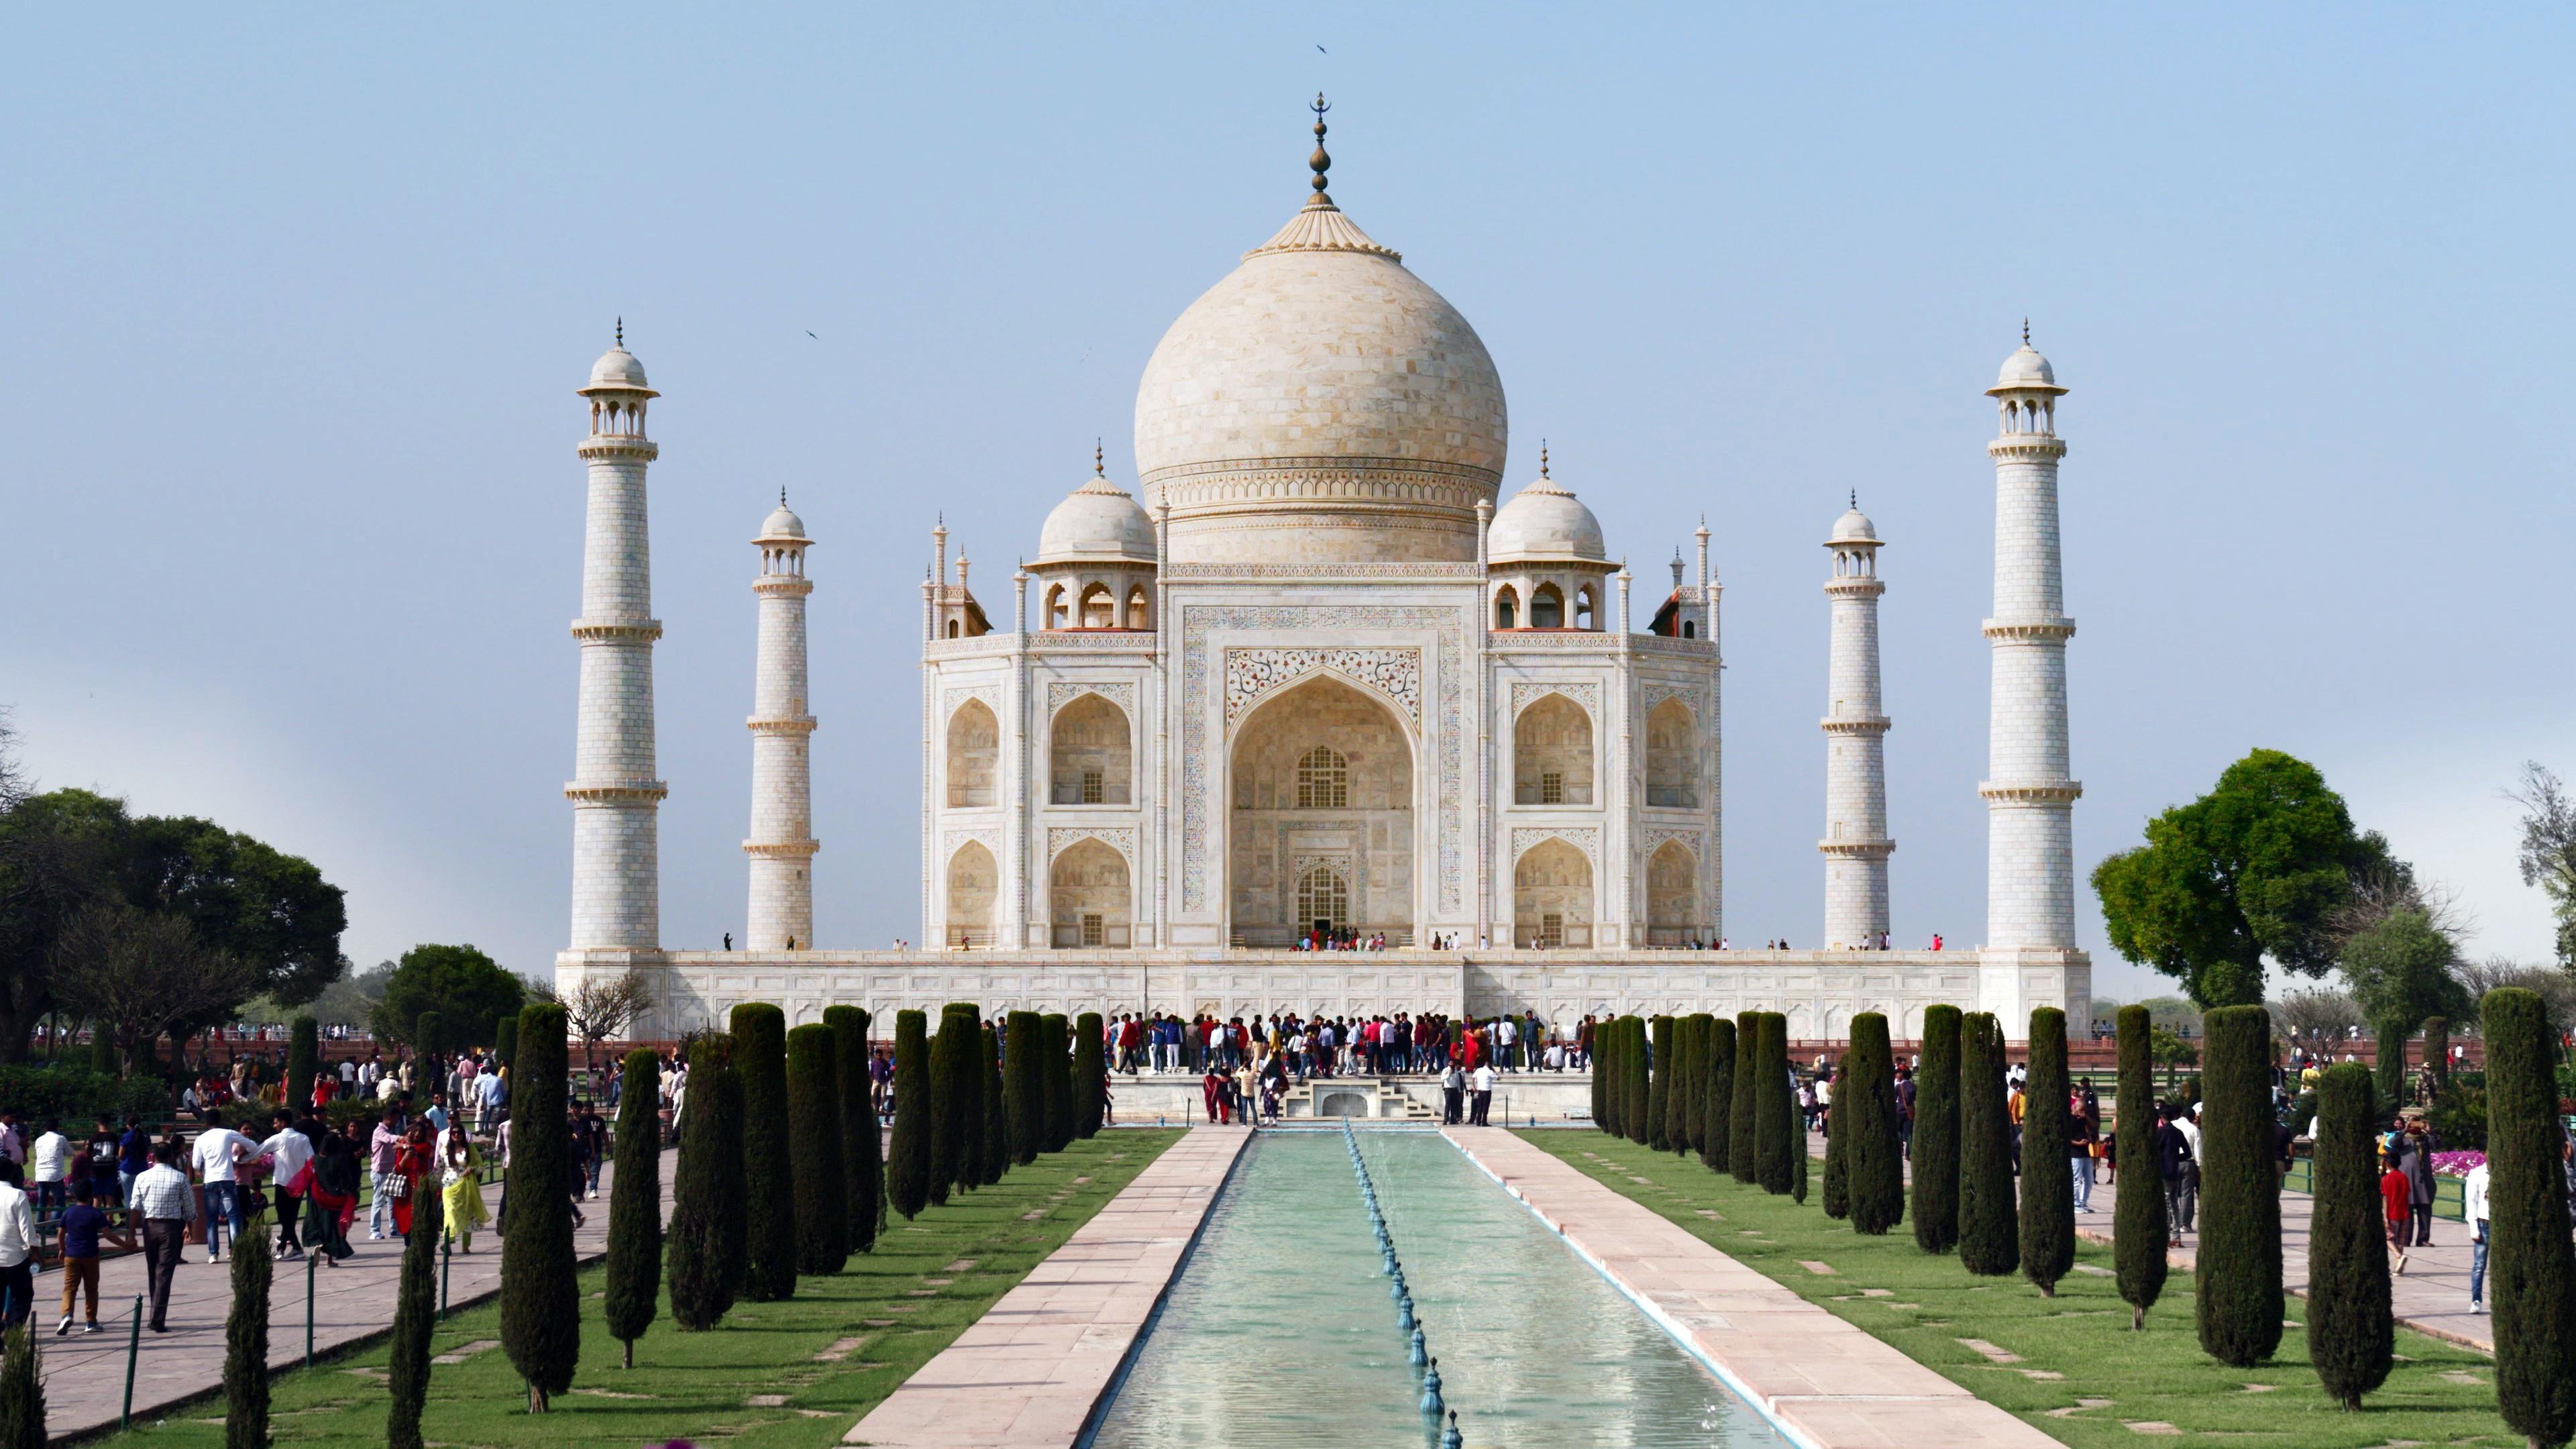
(1552, 753)
(973, 885)
(1672, 755)
(974, 755)
(1090, 901)
(1552, 896)
(1090, 753)
(1672, 896)
(1321, 773)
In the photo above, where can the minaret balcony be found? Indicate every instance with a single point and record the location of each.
(615, 792)
(617, 631)
(1864, 724)
(2050, 792)
(2031, 631)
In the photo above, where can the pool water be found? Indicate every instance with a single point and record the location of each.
(1281, 1331)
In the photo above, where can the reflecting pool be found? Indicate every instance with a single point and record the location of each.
(1281, 1332)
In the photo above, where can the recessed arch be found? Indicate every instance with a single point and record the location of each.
(1547, 607)
(1672, 755)
(1056, 612)
(1139, 614)
(1552, 896)
(1091, 902)
(973, 885)
(1350, 808)
(1507, 608)
(974, 752)
(1091, 754)
(1099, 607)
(1552, 753)
(1672, 896)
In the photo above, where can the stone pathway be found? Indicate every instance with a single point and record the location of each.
(1031, 1371)
(85, 1373)
(1824, 1382)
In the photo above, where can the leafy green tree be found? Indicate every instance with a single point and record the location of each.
(57, 850)
(462, 985)
(1659, 1125)
(2534, 1269)
(634, 1270)
(861, 1156)
(2400, 970)
(1023, 1095)
(814, 1137)
(2437, 1050)
(415, 1317)
(2256, 868)
(1773, 1106)
(22, 1390)
(1936, 1133)
(1743, 1125)
(247, 899)
(703, 1243)
(908, 1159)
(246, 1353)
(2351, 1335)
(429, 1026)
(1874, 1149)
(1989, 1233)
(768, 1171)
(540, 1298)
(996, 1154)
(2047, 1179)
(1720, 1092)
(505, 1038)
(2139, 1231)
(1055, 1084)
(1090, 1074)
(303, 1055)
(2239, 1274)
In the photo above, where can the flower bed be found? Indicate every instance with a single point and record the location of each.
(2457, 1164)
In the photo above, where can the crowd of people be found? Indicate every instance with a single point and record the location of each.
(1322, 1046)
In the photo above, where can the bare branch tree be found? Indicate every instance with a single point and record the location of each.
(603, 1006)
(2556, 989)
(2321, 1012)
(2548, 851)
(14, 783)
(142, 973)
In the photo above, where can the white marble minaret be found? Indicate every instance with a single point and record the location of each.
(616, 865)
(2030, 799)
(781, 846)
(1856, 846)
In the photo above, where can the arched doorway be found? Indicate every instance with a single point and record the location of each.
(1672, 756)
(1089, 754)
(1320, 825)
(1089, 902)
(974, 753)
(1552, 897)
(973, 883)
(1552, 753)
(1672, 896)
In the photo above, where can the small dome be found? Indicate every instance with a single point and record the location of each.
(1097, 522)
(617, 368)
(1854, 527)
(782, 526)
(2026, 370)
(1543, 521)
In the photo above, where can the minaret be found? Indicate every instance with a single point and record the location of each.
(1856, 846)
(781, 846)
(2030, 843)
(616, 865)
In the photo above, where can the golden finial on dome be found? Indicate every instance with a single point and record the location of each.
(2025, 332)
(1320, 162)
(621, 330)
(1099, 468)
(1542, 457)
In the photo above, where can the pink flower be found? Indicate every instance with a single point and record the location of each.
(2457, 1164)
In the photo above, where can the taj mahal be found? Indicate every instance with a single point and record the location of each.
(1320, 674)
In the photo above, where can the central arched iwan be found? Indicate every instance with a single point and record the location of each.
(1322, 778)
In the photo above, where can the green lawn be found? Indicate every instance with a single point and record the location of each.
(2082, 1375)
(879, 1320)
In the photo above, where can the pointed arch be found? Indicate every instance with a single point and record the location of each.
(974, 755)
(1672, 896)
(1547, 607)
(974, 883)
(1099, 607)
(1552, 753)
(1322, 772)
(1672, 755)
(1091, 754)
(1552, 896)
(1507, 608)
(1090, 900)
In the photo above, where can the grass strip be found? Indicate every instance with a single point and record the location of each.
(790, 1375)
(2069, 1365)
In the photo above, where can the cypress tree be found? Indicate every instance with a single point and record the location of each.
(2139, 1229)
(860, 1154)
(703, 1244)
(996, 1153)
(303, 1057)
(1721, 1093)
(1837, 1202)
(1641, 1087)
(1696, 1030)
(2351, 1336)
(1055, 1083)
(1989, 1240)
(2437, 1051)
(1090, 1074)
(505, 1040)
(2528, 1254)
(22, 1391)
(540, 1301)
(2047, 1178)
(814, 1135)
(768, 1183)
(2239, 1272)
(1741, 1119)
(1602, 1054)
(1773, 1105)
(2388, 1043)
(1659, 1088)
(907, 1178)
(970, 1101)
(415, 1317)
(634, 1271)
(948, 1060)
(1936, 1133)
(1797, 1122)
(1023, 1098)
(246, 1353)
(1874, 1154)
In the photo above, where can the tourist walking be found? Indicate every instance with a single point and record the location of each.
(2080, 1143)
(2394, 1191)
(165, 1203)
(1484, 1091)
(384, 1145)
(217, 1156)
(17, 1249)
(1453, 1087)
(50, 1163)
(2176, 1165)
(290, 1156)
(2473, 1205)
(82, 1226)
(461, 1190)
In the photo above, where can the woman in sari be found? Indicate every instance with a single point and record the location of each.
(462, 1188)
(416, 1159)
(333, 1202)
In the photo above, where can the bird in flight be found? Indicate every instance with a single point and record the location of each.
(810, 333)
(1319, 50)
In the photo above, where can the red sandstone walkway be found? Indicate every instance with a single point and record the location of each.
(1827, 1384)
(85, 1373)
(1028, 1374)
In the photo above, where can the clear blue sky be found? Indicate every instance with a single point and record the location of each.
(296, 304)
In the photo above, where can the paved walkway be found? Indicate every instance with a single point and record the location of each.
(1826, 1383)
(85, 1373)
(1030, 1372)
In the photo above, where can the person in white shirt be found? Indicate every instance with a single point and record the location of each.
(1483, 1095)
(17, 1250)
(216, 1154)
(289, 1153)
(2473, 1202)
(52, 1160)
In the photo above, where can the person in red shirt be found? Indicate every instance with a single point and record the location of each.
(2393, 1191)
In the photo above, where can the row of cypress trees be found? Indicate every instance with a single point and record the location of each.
(972, 1102)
